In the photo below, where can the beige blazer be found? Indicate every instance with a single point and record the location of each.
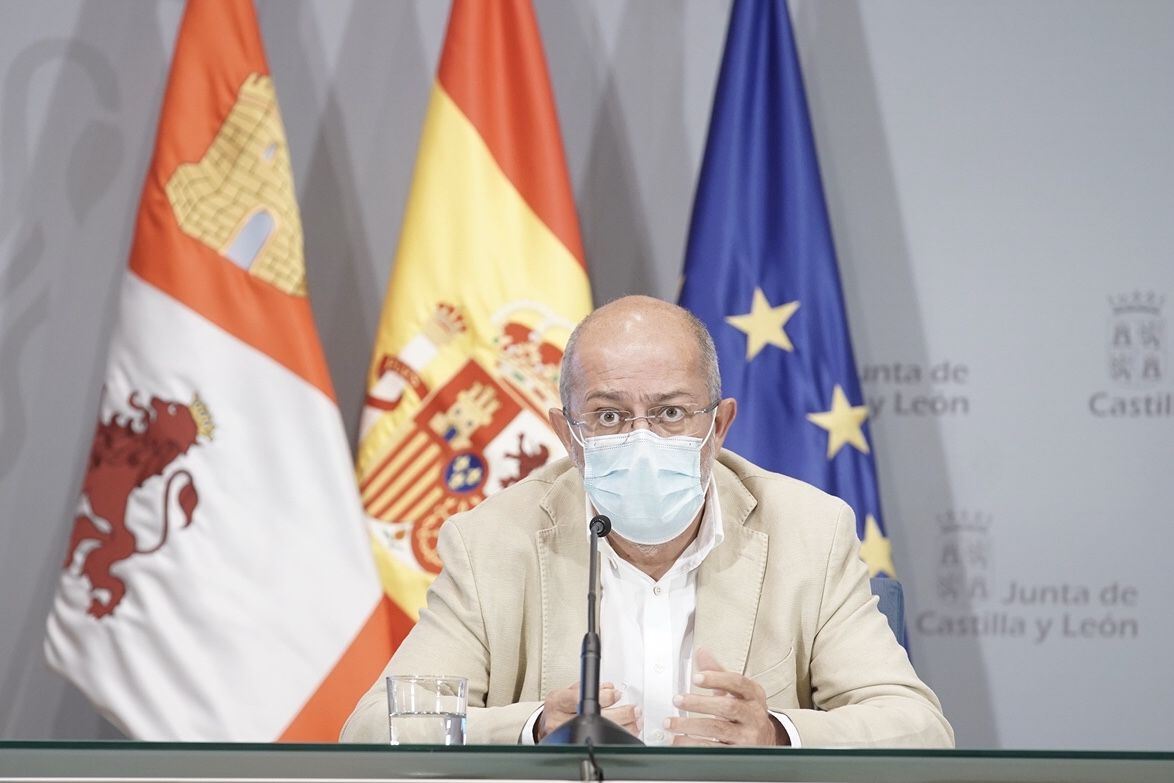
(784, 599)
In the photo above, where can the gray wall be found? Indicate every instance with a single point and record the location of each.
(997, 173)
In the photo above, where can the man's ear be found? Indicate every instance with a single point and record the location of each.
(727, 411)
(562, 428)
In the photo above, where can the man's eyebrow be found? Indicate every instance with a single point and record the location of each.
(607, 395)
(672, 396)
(618, 398)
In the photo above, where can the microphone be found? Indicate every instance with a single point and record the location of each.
(589, 727)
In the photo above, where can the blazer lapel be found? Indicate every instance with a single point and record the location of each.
(562, 560)
(729, 580)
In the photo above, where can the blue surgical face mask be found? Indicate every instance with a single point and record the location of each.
(648, 485)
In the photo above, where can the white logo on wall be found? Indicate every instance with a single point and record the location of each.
(1136, 359)
(965, 558)
(1137, 339)
(972, 603)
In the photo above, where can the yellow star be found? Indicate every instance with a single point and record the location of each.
(764, 324)
(875, 550)
(842, 423)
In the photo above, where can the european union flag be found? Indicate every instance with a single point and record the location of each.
(760, 271)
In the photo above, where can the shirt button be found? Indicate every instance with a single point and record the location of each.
(656, 590)
(658, 735)
(658, 668)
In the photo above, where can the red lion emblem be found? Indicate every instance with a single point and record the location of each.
(128, 451)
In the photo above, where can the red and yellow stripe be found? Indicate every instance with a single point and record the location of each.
(490, 221)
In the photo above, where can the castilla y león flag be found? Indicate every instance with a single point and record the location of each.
(217, 583)
(488, 281)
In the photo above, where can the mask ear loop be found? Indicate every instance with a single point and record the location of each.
(712, 427)
(574, 431)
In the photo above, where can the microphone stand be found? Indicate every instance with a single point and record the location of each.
(589, 727)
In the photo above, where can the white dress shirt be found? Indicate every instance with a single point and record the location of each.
(646, 629)
(648, 643)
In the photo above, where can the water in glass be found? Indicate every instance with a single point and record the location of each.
(427, 728)
(426, 709)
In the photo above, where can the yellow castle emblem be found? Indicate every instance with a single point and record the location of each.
(239, 198)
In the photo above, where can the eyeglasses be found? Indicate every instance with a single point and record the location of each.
(663, 420)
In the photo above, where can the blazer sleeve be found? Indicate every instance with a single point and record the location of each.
(450, 639)
(864, 688)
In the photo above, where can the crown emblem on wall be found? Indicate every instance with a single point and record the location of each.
(959, 520)
(1149, 302)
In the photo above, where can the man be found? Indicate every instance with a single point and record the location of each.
(735, 609)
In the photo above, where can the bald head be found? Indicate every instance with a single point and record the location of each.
(642, 324)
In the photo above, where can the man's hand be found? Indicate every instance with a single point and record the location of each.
(561, 705)
(737, 710)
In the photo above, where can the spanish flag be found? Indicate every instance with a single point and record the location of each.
(489, 279)
(217, 583)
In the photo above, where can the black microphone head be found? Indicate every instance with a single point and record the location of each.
(600, 525)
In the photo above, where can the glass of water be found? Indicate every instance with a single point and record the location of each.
(424, 709)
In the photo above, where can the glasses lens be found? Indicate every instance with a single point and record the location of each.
(668, 420)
